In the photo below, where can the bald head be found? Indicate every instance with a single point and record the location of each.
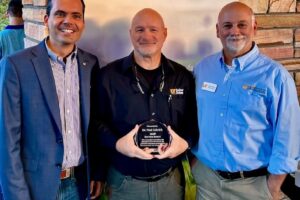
(147, 14)
(236, 7)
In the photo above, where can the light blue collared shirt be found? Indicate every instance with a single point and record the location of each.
(248, 114)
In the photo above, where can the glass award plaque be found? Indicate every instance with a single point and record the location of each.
(151, 134)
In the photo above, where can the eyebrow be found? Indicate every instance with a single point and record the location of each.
(63, 11)
(241, 21)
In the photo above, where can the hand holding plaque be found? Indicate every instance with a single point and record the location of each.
(152, 134)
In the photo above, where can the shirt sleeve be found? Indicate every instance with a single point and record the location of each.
(285, 115)
(191, 120)
(100, 111)
(101, 137)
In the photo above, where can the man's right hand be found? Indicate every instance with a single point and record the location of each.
(96, 188)
(126, 146)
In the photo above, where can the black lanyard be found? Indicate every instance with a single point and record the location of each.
(161, 85)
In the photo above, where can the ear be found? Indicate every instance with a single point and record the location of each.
(255, 27)
(217, 31)
(130, 33)
(46, 18)
(165, 32)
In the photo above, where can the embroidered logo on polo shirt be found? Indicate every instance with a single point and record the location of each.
(255, 89)
(177, 91)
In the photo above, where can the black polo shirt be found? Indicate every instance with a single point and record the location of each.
(118, 104)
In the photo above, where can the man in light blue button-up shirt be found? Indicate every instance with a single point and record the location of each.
(248, 115)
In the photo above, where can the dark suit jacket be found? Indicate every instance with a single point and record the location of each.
(31, 144)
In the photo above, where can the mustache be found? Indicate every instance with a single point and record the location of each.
(235, 37)
(147, 42)
(68, 26)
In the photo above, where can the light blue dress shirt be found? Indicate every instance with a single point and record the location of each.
(248, 114)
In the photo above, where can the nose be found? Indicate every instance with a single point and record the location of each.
(235, 30)
(146, 33)
(68, 19)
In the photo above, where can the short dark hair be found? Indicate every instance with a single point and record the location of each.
(15, 8)
(49, 7)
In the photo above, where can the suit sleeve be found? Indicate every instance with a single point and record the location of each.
(12, 178)
(1, 52)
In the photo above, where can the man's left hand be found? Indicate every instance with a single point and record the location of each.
(178, 146)
(274, 184)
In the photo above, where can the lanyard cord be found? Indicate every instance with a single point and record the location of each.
(161, 85)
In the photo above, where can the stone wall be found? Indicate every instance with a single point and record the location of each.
(33, 14)
(278, 33)
(278, 36)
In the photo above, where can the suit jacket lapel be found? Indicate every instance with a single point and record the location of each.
(45, 75)
(84, 68)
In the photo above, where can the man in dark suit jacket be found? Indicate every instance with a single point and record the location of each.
(44, 113)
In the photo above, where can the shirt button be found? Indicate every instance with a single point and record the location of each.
(68, 111)
(68, 90)
(152, 95)
(224, 95)
(153, 114)
(221, 114)
(69, 131)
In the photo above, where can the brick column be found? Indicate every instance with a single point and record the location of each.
(33, 14)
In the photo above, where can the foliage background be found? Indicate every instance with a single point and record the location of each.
(3, 18)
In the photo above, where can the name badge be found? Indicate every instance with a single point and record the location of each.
(211, 87)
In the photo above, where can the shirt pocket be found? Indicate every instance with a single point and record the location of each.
(251, 101)
(249, 108)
